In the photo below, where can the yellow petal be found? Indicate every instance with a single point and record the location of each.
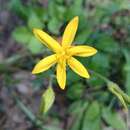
(47, 40)
(82, 51)
(77, 67)
(61, 74)
(70, 32)
(44, 64)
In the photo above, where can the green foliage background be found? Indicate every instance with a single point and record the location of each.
(105, 25)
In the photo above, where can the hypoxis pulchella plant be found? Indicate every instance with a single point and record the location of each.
(64, 53)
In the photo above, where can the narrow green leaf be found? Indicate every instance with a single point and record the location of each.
(72, 77)
(75, 107)
(100, 60)
(54, 25)
(20, 9)
(127, 70)
(75, 91)
(78, 113)
(35, 46)
(21, 35)
(93, 125)
(34, 21)
(93, 111)
(26, 110)
(107, 43)
(83, 35)
(113, 119)
(92, 120)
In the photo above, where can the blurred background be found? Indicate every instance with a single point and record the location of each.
(85, 104)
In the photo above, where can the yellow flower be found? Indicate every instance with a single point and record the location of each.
(64, 53)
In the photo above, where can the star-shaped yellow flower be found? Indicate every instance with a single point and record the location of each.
(64, 53)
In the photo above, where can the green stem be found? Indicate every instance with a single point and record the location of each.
(100, 76)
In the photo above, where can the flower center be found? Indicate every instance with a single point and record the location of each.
(64, 55)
